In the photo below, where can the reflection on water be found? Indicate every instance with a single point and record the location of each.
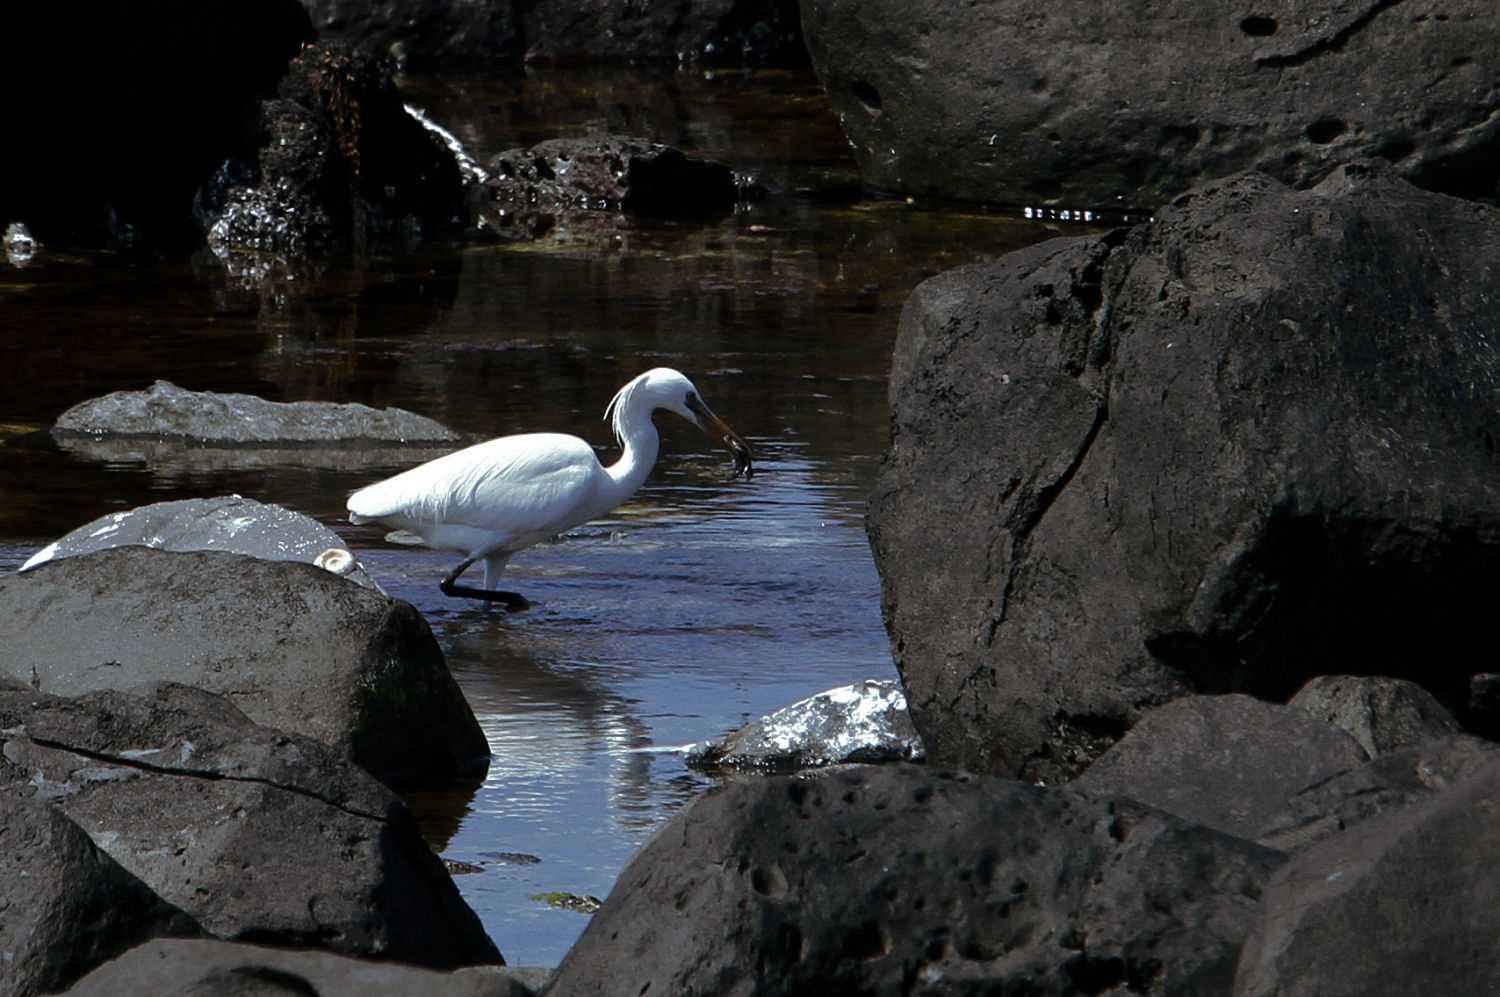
(704, 602)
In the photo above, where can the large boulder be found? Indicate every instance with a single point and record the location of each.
(1100, 106)
(209, 967)
(226, 523)
(257, 834)
(1244, 445)
(1226, 762)
(167, 411)
(68, 906)
(446, 34)
(292, 645)
(884, 879)
(130, 107)
(1405, 904)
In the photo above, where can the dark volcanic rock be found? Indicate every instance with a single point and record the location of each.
(205, 968)
(141, 103)
(1406, 904)
(258, 834)
(891, 880)
(227, 523)
(339, 162)
(1226, 762)
(864, 722)
(1382, 714)
(1092, 106)
(1244, 445)
(447, 34)
(164, 410)
(68, 906)
(533, 187)
(1390, 783)
(293, 646)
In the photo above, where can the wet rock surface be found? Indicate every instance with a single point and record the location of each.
(1229, 451)
(1103, 107)
(290, 644)
(1222, 761)
(864, 722)
(533, 187)
(207, 966)
(890, 879)
(141, 105)
(1400, 904)
(255, 833)
(167, 411)
(443, 33)
(228, 523)
(338, 164)
(68, 906)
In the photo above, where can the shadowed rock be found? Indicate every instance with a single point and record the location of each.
(68, 906)
(1250, 443)
(256, 833)
(293, 646)
(1225, 762)
(1404, 904)
(894, 879)
(1079, 105)
(207, 967)
(227, 523)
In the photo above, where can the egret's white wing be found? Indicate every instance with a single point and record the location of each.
(535, 484)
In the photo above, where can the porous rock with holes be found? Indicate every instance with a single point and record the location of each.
(897, 879)
(1085, 105)
(1250, 443)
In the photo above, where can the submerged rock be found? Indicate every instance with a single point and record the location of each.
(532, 188)
(228, 523)
(167, 411)
(864, 722)
(288, 643)
(68, 906)
(897, 879)
(1079, 105)
(208, 966)
(254, 832)
(1250, 443)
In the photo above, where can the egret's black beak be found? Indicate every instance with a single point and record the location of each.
(719, 430)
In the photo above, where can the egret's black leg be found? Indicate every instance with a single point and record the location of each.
(513, 602)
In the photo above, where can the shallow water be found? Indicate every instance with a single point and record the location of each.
(702, 603)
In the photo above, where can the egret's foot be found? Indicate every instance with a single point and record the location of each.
(513, 601)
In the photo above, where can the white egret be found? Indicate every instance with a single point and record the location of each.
(493, 499)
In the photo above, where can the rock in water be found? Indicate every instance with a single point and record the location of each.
(864, 722)
(227, 523)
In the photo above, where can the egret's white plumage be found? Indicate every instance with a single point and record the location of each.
(495, 498)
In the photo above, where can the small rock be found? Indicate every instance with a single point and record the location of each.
(569, 901)
(864, 722)
(1382, 714)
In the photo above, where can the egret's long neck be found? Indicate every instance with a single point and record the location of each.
(642, 444)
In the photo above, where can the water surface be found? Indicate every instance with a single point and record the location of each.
(701, 604)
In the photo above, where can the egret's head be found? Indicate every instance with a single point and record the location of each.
(665, 388)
